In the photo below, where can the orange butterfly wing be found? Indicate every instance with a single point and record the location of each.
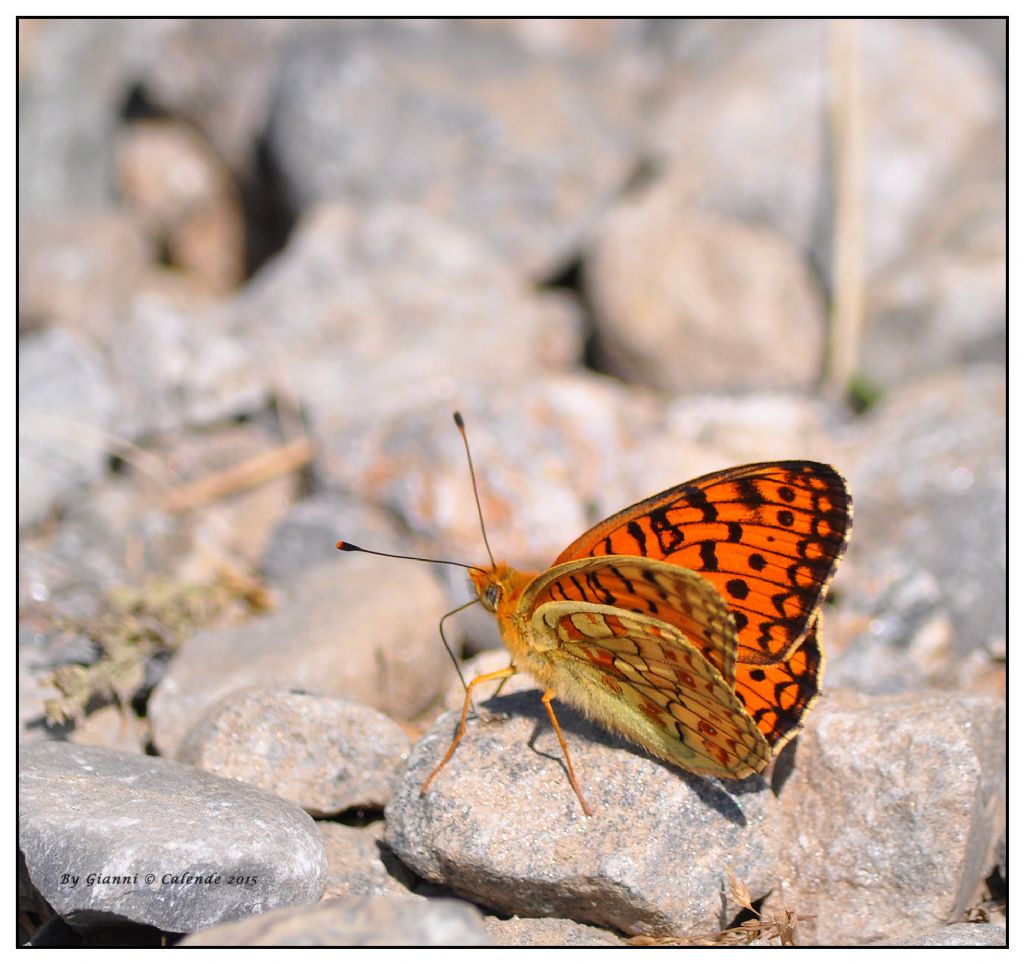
(777, 695)
(768, 536)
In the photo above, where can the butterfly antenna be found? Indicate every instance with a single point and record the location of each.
(476, 492)
(350, 547)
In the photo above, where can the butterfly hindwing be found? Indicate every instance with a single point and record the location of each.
(768, 536)
(642, 678)
(778, 695)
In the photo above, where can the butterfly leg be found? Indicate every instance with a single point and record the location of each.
(546, 700)
(501, 674)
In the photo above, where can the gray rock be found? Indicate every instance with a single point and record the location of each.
(989, 34)
(142, 825)
(460, 122)
(352, 629)
(325, 755)
(957, 935)
(712, 431)
(932, 96)
(305, 537)
(80, 270)
(944, 303)
(114, 727)
(928, 473)
(90, 550)
(501, 825)
(66, 402)
(891, 814)
(356, 922)
(546, 449)
(895, 625)
(374, 310)
(662, 273)
(358, 864)
(105, 724)
(73, 79)
(34, 663)
(548, 932)
(179, 365)
(217, 74)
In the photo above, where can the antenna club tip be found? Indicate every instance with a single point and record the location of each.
(346, 546)
(458, 419)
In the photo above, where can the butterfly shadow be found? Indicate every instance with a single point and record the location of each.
(718, 794)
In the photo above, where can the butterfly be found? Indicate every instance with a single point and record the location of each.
(688, 623)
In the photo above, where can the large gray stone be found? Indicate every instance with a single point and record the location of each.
(349, 630)
(892, 814)
(112, 837)
(501, 825)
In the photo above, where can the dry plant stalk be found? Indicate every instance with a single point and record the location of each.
(769, 926)
(246, 475)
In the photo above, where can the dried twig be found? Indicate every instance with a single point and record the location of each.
(769, 926)
(246, 475)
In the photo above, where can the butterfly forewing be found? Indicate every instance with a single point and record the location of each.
(642, 678)
(768, 536)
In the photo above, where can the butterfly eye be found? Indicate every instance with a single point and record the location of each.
(491, 596)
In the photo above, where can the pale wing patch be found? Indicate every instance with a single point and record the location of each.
(660, 591)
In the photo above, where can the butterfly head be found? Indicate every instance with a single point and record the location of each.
(499, 586)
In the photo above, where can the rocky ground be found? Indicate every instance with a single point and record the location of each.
(261, 263)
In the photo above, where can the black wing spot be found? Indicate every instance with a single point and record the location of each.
(737, 588)
(757, 675)
(785, 517)
(735, 532)
(786, 493)
(708, 556)
(740, 619)
(757, 562)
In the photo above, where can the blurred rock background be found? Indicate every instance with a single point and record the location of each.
(262, 261)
